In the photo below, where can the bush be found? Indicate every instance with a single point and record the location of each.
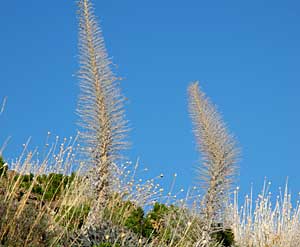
(15, 230)
(106, 233)
(73, 217)
(225, 237)
(50, 187)
(107, 245)
(164, 220)
(157, 214)
(138, 223)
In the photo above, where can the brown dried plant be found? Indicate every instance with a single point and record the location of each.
(219, 155)
(102, 122)
(24, 210)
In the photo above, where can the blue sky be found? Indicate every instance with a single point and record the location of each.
(244, 53)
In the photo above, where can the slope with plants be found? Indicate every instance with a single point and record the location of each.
(82, 192)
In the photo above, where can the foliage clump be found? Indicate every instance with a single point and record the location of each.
(15, 230)
(46, 187)
(108, 234)
(107, 245)
(225, 237)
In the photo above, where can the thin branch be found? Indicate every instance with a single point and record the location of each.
(3, 105)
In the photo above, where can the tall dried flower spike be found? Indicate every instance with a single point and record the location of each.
(103, 127)
(218, 151)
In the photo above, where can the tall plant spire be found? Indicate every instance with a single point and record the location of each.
(103, 127)
(219, 155)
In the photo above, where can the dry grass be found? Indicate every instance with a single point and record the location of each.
(266, 221)
(59, 158)
(104, 195)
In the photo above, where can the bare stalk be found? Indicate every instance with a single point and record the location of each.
(3, 105)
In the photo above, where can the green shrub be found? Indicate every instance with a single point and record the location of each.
(226, 237)
(49, 186)
(153, 224)
(118, 210)
(73, 217)
(26, 181)
(138, 223)
(107, 245)
(155, 219)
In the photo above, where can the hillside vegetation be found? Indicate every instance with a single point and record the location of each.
(82, 192)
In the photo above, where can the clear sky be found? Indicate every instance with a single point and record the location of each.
(244, 53)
